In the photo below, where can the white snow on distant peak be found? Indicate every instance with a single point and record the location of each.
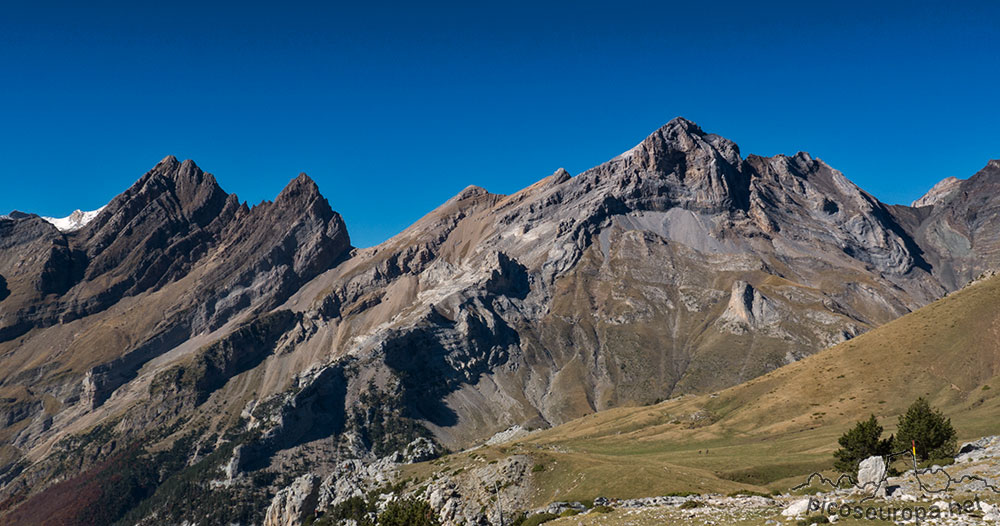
(74, 221)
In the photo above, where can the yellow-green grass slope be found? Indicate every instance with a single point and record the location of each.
(768, 433)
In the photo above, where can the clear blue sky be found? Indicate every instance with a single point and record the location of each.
(393, 108)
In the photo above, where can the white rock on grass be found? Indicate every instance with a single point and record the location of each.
(986, 447)
(991, 512)
(871, 476)
(799, 507)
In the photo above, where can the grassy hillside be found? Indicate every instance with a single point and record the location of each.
(766, 433)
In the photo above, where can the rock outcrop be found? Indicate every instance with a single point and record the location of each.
(939, 192)
(871, 476)
(748, 308)
(292, 505)
(958, 234)
(472, 498)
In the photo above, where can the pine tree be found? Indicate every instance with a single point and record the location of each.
(408, 512)
(932, 432)
(861, 442)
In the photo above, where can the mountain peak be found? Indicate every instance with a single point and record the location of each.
(803, 156)
(678, 131)
(683, 162)
(680, 123)
(181, 189)
(302, 187)
(560, 176)
(170, 168)
(938, 192)
(682, 135)
(470, 192)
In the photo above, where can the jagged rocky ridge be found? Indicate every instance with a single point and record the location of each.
(255, 343)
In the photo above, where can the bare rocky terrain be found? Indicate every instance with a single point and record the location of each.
(230, 351)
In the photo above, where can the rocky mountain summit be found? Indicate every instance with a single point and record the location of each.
(242, 350)
(942, 190)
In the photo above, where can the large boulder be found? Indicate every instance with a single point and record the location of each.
(871, 476)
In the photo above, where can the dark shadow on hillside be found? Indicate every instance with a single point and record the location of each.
(317, 413)
(436, 359)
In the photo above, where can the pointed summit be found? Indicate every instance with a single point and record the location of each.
(938, 192)
(302, 188)
(686, 135)
(192, 192)
(692, 167)
(681, 124)
(560, 176)
(169, 202)
(173, 174)
(990, 172)
(187, 170)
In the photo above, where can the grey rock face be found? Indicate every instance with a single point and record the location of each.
(420, 450)
(232, 468)
(698, 170)
(359, 476)
(813, 203)
(939, 192)
(35, 262)
(984, 448)
(797, 508)
(292, 505)
(557, 508)
(959, 234)
(871, 476)
(749, 308)
(472, 498)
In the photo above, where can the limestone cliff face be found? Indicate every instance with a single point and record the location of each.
(250, 342)
(959, 232)
(748, 309)
(939, 192)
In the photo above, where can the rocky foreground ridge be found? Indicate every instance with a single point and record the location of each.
(239, 351)
(472, 498)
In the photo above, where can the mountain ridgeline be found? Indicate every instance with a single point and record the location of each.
(232, 347)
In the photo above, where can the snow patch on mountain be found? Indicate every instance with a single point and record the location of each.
(75, 221)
